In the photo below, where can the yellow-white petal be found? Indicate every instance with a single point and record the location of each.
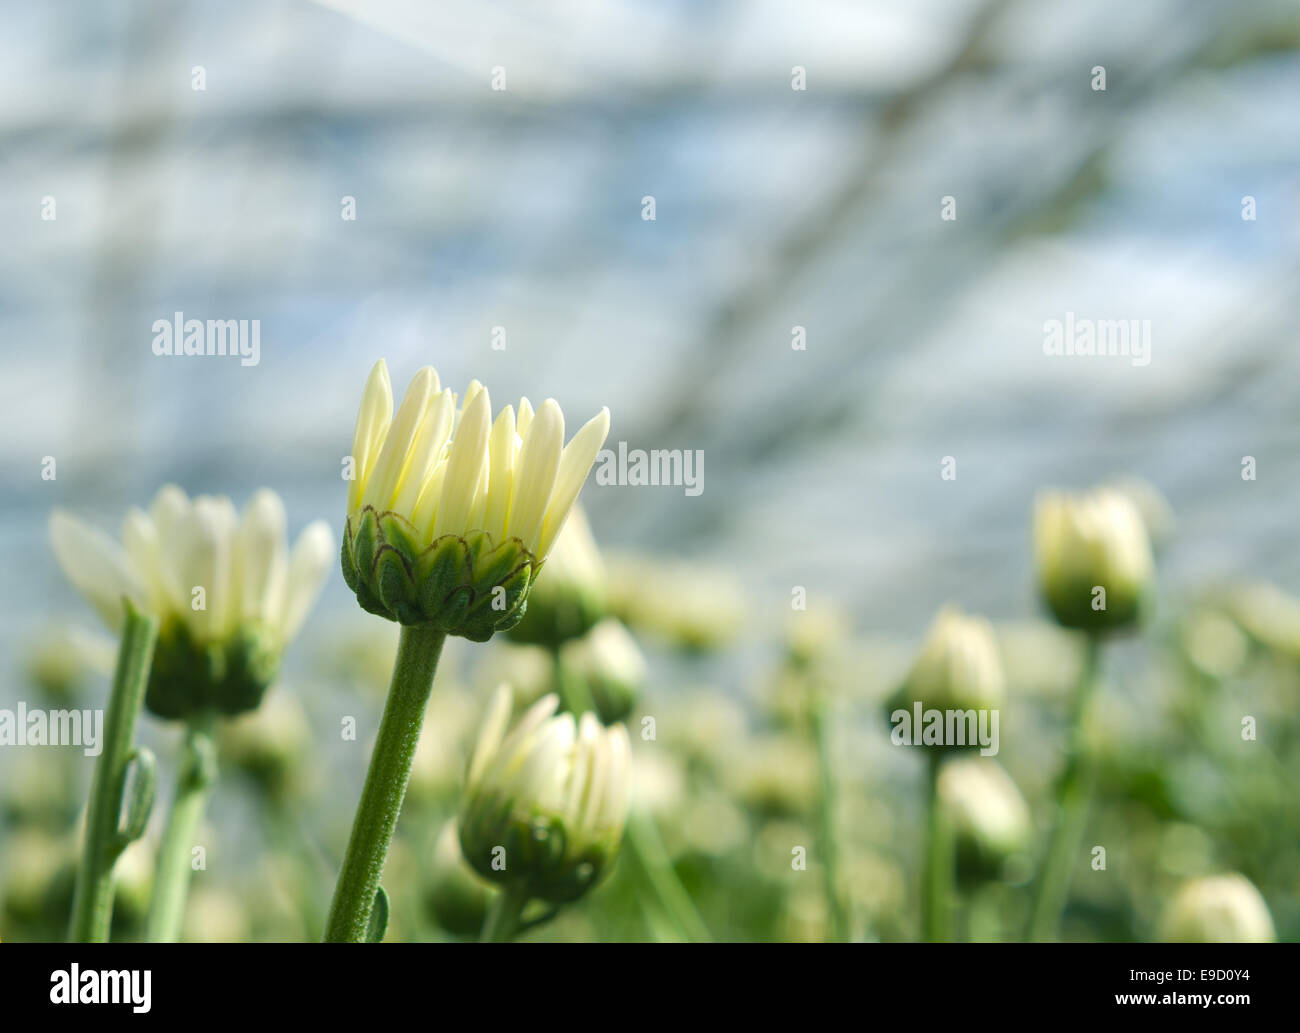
(206, 563)
(575, 464)
(503, 448)
(384, 482)
(309, 564)
(263, 557)
(426, 510)
(589, 733)
(373, 418)
(514, 747)
(96, 566)
(539, 460)
(430, 442)
(143, 552)
(170, 512)
(525, 418)
(464, 467)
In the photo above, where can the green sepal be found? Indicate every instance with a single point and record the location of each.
(539, 853)
(470, 587)
(228, 676)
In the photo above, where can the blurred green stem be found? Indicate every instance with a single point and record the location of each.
(574, 695)
(92, 902)
(503, 919)
(647, 849)
(505, 915)
(937, 895)
(1073, 795)
(829, 842)
(198, 774)
(385, 788)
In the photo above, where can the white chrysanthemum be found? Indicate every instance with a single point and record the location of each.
(990, 818)
(572, 597)
(450, 469)
(242, 563)
(1217, 909)
(1094, 558)
(959, 667)
(611, 666)
(552, 791)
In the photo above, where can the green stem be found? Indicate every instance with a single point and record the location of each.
(285, 832)
(194, 782)
(92, 902)
(503, 920)
(1073, 795)
(829, 842)
(573, 692)
(937, 895)
(643, 842)
(385, 788)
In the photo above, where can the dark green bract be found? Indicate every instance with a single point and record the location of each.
(227, 676)
(1074, 604)
(507, 848)
(467, 586)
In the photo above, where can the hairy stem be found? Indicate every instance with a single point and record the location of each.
(385, 787)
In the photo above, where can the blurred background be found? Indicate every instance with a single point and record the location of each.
(775, 208)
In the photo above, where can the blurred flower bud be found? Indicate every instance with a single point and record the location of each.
(457, 898)
(958, 667)
(811, 633)
(691, 607)
(1157, 514)
(528, 670)
(1214, 644)
(660, 781)
(1093, 552)
(133, 873)
(34, 862)
(774, 774)
(226, 587)
(64, 659)
(269, 744)
(572, 596)
(1268, 615)
(610, 664)
(546, 801)
(1217, 909)
(989, 817)
(215, 915)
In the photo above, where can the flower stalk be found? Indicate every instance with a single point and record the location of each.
(937, 894)
(385, 786)
(826, 803)
(198, 774)
(647, 847)
(1073, 796)
(504, 919)
(106, 838)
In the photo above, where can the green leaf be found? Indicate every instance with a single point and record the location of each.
(378, 917)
